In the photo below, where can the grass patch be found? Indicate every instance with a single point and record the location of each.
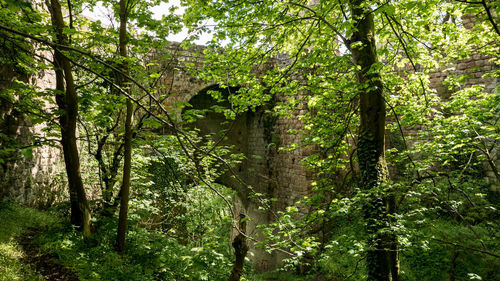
(16, 220)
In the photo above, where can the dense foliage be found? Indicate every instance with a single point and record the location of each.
(432, 206)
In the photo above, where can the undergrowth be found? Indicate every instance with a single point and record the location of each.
(150, 255)
(16, 220)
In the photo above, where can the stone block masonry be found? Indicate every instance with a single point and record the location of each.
(474, 69)
(35, 180)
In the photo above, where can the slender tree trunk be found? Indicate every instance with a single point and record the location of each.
(125, 190)
(67, 100)
(382, 256)
(393, 240)
(108, 176)
(454, 264)
(240, 251)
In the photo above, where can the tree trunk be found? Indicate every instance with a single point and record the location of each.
(393, 239)
(240, 251)
(125, 190)
(108, 176)
(454, 263)
(67, 100)
(381, 257)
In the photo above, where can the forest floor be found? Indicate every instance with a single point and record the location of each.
(41, 245)
(20, 257)
(43, 263)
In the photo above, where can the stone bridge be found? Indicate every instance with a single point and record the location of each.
(39, 180)
(257, 134)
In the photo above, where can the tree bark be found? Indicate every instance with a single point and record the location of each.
(67, 101)
(382, 260)
(108, 175)
(125, 190)
(240, 251)
(454, 264)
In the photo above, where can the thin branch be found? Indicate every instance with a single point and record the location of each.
(468, 248)
(490, 17)
(86, 83)
(403, 44)
(321, 18)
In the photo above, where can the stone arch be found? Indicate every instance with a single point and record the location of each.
(251, 133)
(222, 130)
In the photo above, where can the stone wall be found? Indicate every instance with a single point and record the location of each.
(35, 180)
(474, 68)
(259, 134)
(267, 169)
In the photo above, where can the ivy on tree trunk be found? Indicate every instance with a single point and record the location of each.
(382, 261)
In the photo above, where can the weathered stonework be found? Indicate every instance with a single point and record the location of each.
(258, 134)
(36, 180)
(474, 68)
(279, 173)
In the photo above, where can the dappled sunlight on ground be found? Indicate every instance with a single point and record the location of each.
(15, 220)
